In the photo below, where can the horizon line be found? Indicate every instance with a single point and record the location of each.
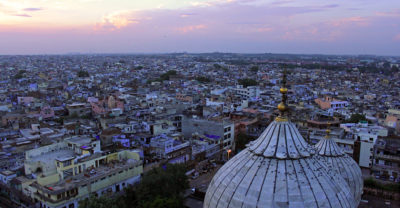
(185, 52)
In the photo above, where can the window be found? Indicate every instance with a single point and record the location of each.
(67, 163)
(227, 129)
(227, 136)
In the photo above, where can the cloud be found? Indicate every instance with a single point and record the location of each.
(32, 9)
(360, 21)
(235, 26)
(397, 37)
(388, 14)
(191, 28)
(117, 20)
(186, 15)
(22, 15)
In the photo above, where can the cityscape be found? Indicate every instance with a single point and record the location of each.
(199, 104)
(73, 126)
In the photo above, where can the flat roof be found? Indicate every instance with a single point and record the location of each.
(80, 140)
(7, 172)
(49, 157)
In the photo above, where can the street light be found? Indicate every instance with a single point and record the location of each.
(228, 151)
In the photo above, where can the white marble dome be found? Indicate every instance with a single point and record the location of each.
(343, 164)
(279, 169)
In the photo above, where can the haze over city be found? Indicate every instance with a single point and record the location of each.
(159, 26)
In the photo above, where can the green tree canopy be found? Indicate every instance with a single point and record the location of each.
(241, 141)
(372, 183)
(217, 66)
(355, 118)
(254, 69)
(167, 75)
(161, 187)
(169, 182)
(203, 79)
(83, 73)
(101, 202)
(247, 82)
(164, 202)
(20, 74)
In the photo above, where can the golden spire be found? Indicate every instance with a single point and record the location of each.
(282, 107)
(328, 131)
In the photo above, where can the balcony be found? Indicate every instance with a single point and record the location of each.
(388, 157)
(384, 167)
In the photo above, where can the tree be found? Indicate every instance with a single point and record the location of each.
(355, 118)
(20, 74)
(167, 75)
(217, 66)
(164, 202)
(371, 183)
(241, 141)
(83, 73)
(247, 82)
(203, 79)
(160, 187)
(254, 69)
(101, 202)
(386, 65)
(170, 181)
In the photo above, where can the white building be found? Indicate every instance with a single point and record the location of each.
(364, 138)
(6, 176)
(251, 92)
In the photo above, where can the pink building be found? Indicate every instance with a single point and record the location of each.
(330, 103)
(106, 105)
(25, 100)
(47, 112)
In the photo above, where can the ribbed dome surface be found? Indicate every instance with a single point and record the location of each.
(343, 164)
(279, 169)
(281, 141)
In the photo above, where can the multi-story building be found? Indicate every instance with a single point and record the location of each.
(173, 150)
(78, 109)
(364, 137)
(392, 120)
(222, 131)
(387, 159)
(331, 103)
(66, 172)
(250, 92)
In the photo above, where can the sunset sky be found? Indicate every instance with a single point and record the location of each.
(248, 26)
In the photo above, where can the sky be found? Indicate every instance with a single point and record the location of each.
(168, 26)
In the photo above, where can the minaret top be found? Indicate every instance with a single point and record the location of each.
(282, 107)
(328, 131)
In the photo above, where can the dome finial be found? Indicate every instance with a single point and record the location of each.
(282, 107)
(328, 131)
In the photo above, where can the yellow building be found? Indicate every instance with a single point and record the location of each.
(69, 171)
